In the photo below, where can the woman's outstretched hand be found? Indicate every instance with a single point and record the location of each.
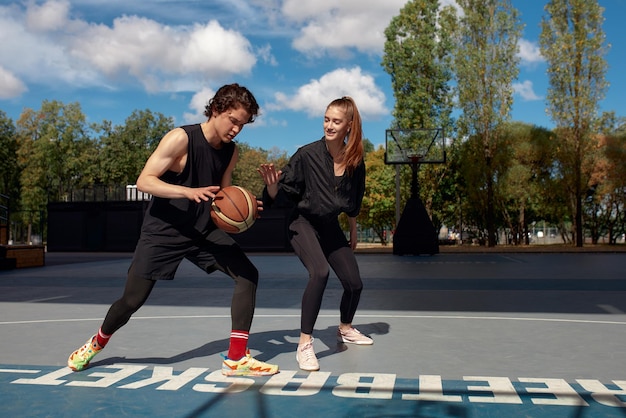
(270, 177)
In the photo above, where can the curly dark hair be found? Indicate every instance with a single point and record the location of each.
(232, 96)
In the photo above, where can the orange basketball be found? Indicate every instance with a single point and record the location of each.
(234, 209)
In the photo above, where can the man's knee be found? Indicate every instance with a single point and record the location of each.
(129, 304)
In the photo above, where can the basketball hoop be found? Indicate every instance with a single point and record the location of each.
(415, 146)
(415, 232)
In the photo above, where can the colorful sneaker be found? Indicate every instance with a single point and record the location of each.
(353, 336)
(247, 366)
(80, 358)
(305, 356)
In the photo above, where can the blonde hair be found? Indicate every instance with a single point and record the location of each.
(353, 153)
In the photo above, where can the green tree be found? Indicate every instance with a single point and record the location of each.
(54, 155)
(9, 173)
(572, 41)
(367, 146)
(31, 157)
(54, 152)
(446, 198)
(473, 186)
(250, 159)
(362, 218)
(379, 202)
(124, 149)
(486, 64)
(9, 178)
(611, 124)
(418, 57)
(605, 203)
(528, 154)
(615, 186)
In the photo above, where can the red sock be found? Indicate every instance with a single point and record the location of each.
(238, 344)
(101, 338)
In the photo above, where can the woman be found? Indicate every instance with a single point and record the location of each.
(324, 179)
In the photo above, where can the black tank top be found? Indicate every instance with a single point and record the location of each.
(205, 167)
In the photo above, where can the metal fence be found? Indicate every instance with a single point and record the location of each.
(119, 193)
(30, 227)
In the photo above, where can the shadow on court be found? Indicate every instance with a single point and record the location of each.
(269, 344)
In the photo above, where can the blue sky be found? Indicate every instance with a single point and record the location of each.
(116, 56)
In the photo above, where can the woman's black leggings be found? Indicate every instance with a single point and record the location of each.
(318, 247)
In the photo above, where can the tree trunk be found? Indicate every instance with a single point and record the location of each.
(491, 225)
(579, 205)
(579, 222)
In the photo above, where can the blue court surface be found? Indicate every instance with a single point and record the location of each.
(456, 335)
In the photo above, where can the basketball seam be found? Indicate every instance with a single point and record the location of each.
(250, 207)
(232, 202)
(228, 221)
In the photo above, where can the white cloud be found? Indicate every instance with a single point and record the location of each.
(265, 53)
(331, 26)
(154, 53)
(52, 15)
(44, 44)
(10, 86)
(529, 52)
(33, 56)
(525, 89)
(197, 104)
(312, 98)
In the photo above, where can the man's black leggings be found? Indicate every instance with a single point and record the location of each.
(318, 247)
(218, 252)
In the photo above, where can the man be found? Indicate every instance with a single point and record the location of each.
(189, 166)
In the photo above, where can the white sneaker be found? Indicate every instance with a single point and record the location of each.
(306, 357)
(353, 336)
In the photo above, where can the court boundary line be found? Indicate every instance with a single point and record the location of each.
(446, 317)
